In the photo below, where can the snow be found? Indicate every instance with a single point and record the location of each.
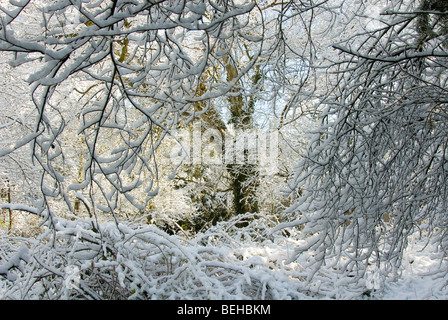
(20, 143)
(224, 262)
(422, 276)
(7, 269)
(198, 9)
(312, 255)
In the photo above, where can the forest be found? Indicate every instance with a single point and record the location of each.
(223, 149)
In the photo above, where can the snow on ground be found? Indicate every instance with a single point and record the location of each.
(423, 276)
(223, 263)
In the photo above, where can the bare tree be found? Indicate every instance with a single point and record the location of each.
(135, 66)
(376, 170)
(138, 71)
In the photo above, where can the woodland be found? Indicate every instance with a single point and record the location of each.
(223, 149)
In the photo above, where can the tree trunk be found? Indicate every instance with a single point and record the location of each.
(244, 177)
